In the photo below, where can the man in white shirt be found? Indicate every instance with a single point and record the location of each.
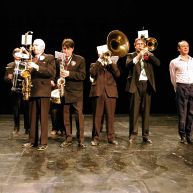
(181, 75)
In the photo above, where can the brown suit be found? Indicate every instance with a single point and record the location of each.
(40, 98)
(73, 96)
(104, 93)
(141, 92)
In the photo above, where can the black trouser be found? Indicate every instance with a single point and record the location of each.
(56, 112)
(140, 103)
(20, 105)
(184, 100)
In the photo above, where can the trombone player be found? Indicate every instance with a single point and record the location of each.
(140, 85)
(13, 76)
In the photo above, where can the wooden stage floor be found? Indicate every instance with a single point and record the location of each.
(166, 166)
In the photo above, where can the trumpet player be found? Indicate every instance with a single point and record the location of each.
(13, 78)
(104, 93)
(140, 84)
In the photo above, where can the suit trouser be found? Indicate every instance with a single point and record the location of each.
(56, 113)
(39, 112)
(19, 103)
(77, 108)
(94, 102)
(140, 103)
(107, 104)
(184, 99)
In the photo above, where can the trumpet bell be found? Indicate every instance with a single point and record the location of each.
(151, 44)
(118, 43)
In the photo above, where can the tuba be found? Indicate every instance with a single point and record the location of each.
(118, 43)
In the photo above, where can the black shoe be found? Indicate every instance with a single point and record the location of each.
(183, 140)
(83, 146)
(65, 144)
(147, 140)
(189, 140)
(113, 142)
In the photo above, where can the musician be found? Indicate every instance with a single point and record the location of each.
(42, 72)
(140, 84)
(56, 108)
(104, 92)
(12, 76)
(93, 103)
(74, 73)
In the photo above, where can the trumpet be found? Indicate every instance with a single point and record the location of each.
(106, 56)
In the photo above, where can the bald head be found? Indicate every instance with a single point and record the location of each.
(39, 46)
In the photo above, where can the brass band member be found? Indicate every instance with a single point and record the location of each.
(12, 76)
(74, 74)
(104, 94)
(56, 108)
(43, 71)
(140, 84)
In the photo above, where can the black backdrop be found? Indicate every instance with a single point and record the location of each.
(89, 24)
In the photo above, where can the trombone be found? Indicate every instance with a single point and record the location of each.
(151, 44)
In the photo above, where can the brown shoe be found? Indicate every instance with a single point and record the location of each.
(27, 145)
(42, 147)
(65, 144)
(131, 141)
(83, 146)
(53, 132)
(113, 142)
(94, 143)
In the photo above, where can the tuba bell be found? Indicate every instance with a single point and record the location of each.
(118, 43)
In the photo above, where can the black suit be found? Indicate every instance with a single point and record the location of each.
(18, 103)
(141, 92)
(73, 97)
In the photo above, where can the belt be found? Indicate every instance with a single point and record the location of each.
(184, 84)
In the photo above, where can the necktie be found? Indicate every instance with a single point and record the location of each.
(66, 60)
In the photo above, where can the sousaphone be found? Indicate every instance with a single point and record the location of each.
(118, 43)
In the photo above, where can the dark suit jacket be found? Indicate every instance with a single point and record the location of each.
(74, 82)
(9, 70)
(104, 79)
(41, 86)
(135, 69)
